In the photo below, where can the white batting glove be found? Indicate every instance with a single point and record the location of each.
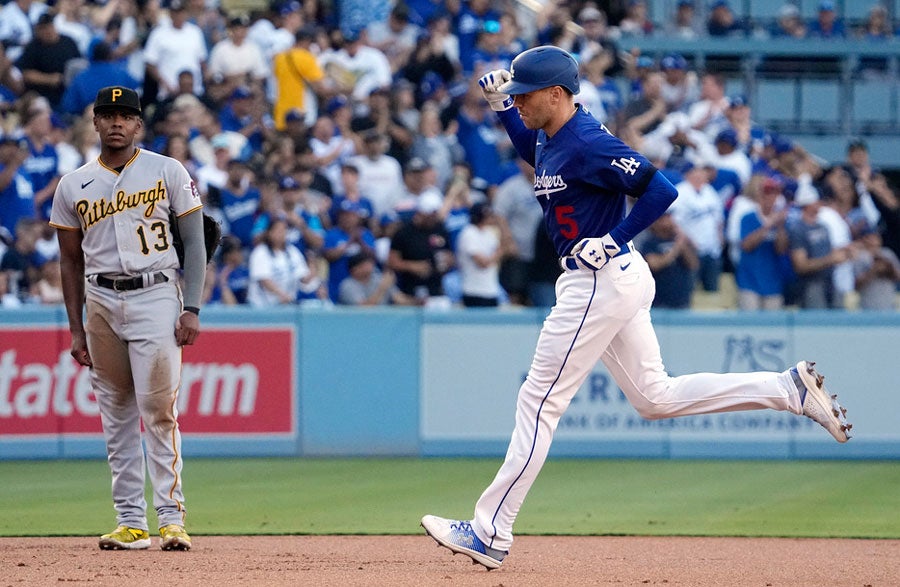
(489, 83)
(595, 252)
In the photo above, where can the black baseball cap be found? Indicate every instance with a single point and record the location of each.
(117, 98)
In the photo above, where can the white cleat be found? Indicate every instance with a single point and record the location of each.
(818, 404)
(458, 536)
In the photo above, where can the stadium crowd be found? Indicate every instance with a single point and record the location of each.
(350, 158)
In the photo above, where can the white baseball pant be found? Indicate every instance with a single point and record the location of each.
(605, 315)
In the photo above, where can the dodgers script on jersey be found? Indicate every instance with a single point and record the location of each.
(130, 209)
(581, 191)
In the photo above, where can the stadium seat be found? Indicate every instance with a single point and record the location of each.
(764, 10)
(873, 102)
(809, 9)
(660, 11)
(857, 11)
(776, 101)
(734, 86)
(820, 102)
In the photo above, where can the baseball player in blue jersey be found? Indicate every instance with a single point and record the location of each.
(582, 175)
(119, 269)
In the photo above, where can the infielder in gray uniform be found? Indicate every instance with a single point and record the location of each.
(118, 262)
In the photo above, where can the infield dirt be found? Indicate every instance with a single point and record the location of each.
(403, 561)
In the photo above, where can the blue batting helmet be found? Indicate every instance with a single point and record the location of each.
(541, 67)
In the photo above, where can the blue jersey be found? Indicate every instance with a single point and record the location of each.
(240, 212)
(582, 175)
(759, 270)
(42, 167)
(16, 201)
(340, 268)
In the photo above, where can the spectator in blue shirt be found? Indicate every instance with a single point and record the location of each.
(101, 72)
(232, 275)
(348, 238)
(480, 140)
(827, 25)
(42, 164)
(243, 114)
(16, 193)
(489, 52)
(722, 21)
(764, 243)
(240, 200)
(469, 22)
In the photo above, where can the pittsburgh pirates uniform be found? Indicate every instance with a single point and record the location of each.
(132, 304)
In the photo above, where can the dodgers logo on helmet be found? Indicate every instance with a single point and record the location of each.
(541, 67)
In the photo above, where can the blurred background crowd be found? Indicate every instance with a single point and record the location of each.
(347, 152)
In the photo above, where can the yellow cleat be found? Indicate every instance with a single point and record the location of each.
(174, 538)
(125, 538)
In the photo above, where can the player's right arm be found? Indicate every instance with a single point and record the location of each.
(71, 268)
(523, 139)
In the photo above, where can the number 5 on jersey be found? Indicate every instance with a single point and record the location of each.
(568, 227)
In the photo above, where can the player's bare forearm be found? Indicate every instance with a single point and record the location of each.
(71, 270)
(72, 281)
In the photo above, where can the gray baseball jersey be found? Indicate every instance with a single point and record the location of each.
(125, 216)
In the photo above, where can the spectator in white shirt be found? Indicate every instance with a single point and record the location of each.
(479, 252)
(725, 154)
(278, 270)
(236, 61)
(16, 23)
(699, 213)
(396, 37)
(380, 175)
(331, 149)
(708, 113)
(173, 47)
(357, 67)
(273, 40)
(69, 22)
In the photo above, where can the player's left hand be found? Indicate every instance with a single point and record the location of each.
(595, 252)
(187, 328)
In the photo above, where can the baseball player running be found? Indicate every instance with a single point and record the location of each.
(582, 175)
(118, 262)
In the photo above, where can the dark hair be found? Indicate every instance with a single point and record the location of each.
(101, 52)
(230, 243)
(273, 220)
(478, 212)
(358, 259)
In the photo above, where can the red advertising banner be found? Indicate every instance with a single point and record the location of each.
(233, 382)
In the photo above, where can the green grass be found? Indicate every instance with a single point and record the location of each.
(388, 496)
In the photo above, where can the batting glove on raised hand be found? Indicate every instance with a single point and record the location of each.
(595, 252)
(489, 83)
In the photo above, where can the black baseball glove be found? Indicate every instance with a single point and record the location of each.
(212, 236)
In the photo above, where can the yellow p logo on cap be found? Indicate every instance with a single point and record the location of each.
(116, 93)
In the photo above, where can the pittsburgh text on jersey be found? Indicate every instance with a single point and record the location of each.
(93, 212)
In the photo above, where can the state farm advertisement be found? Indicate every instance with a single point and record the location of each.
(233, 382)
